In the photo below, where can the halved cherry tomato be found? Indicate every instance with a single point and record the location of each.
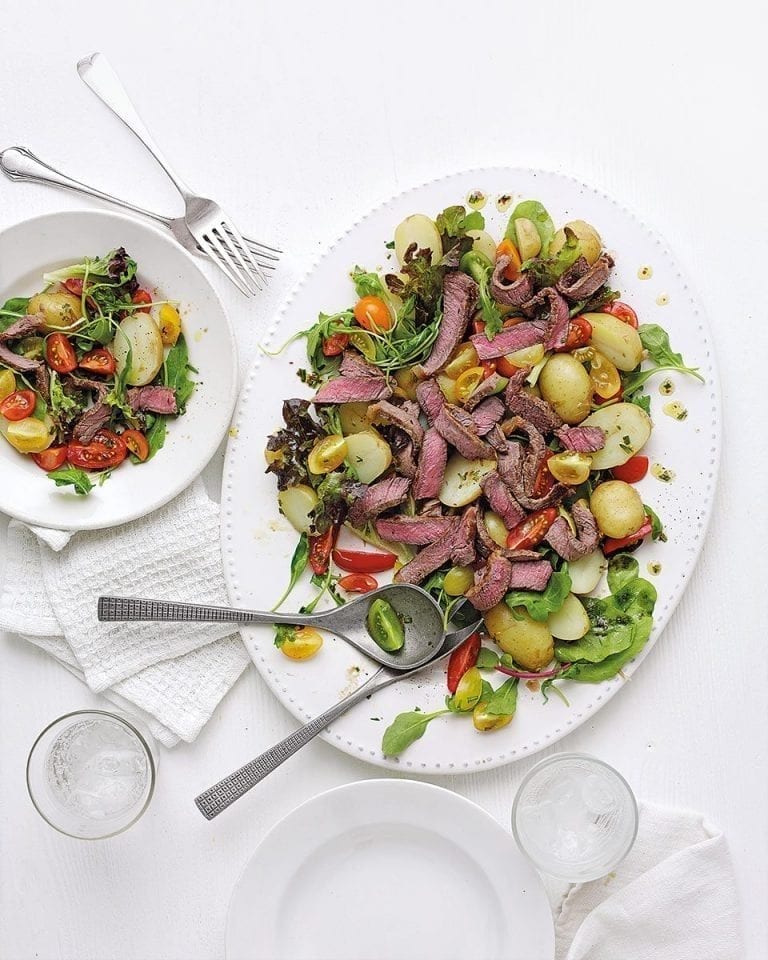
(621, 310)
(632, 471)
(105, 451)
(358, 583)
(335, 344)
(616, 398)
(320, 547)
(613, 545)
(462, 659)
(373, 314)
(532, 530)
(579, 335)
(507, 249)
(18, 405)
(544, 481)
(74, 285)
(363, 561)
(489, 367)
(98, 361)
(478, 326)
(142, 297)
(60, 354)
(136, 443)
(51, 459)
(505, 367)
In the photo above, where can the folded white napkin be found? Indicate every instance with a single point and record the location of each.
(673, 898)
(171, 675)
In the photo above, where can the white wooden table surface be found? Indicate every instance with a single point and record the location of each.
(299, 117)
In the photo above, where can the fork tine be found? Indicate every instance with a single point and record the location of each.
(261, 255)
(212, 253)
(223, 249)
(263, 246)
(235, 239)
(250, 275)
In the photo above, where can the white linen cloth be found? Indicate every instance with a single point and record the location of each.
(171, 675)
(673, 898)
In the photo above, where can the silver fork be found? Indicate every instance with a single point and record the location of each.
(213, 230)
(22, 166)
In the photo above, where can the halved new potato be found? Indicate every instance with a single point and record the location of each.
(496, 528)
(139, 335)
(462, 479)
(626, 427)
(590, 243)
(570, 622)
(420, 230)
(297, 504)
(61, 310)
(528, 238)
(586, 572)
(527, 641)
(616, 340)
(369, 454)
(484, 243)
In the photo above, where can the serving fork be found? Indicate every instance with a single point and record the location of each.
(213, 230)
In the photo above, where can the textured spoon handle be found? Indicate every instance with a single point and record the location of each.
(218, 797)
(128, 608)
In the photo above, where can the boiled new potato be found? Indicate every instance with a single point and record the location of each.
(297, 504)
(354, 417)
(626, 427)
(140, 333)
(590, 243)
(528, 238)
(526, 640)
(462, 479)
(407, 381)
(616, 340)
(586, 572)
(29, 435)
(570, 622)
(61, 310)
(420, 230)
(369, 454)
(566, 385)
(617, 507)
(484, 243)
(496, 528)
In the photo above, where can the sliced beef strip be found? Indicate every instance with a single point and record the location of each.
(502, 501)
(491, 582)
(419, 530)
(431, 469)
(377, 498)
(23, 327)
(152, 399)
(514, 293)
(464, 538)
(18, 363)
(557, 324)
(431, 398)
(458, 547)
(496, 439)
(404, 455)
(519, 469)
(487, 415)
(533, 409)
(43, 382)
(458, 428)
(359, 381)
(562, 540)
(92, 420)
(405, 416)
(85, 383)
(487, 388)
(581, 439)
(486, 545)
(531, 575)
(581, 280)
(521, 335)
(459, 298)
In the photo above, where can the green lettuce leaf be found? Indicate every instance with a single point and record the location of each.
(540, 605)
(535, 212)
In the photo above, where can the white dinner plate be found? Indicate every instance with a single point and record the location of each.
(30, 249)
(258, 542)
(389, 870)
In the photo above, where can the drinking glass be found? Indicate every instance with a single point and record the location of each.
(575, 817)
(91, 773)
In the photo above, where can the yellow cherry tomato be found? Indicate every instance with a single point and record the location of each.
(482, 720)
(327, 454)
(468, 382)
(496, 528)
(570, 466)
(605, 378)
(462, 358)
(29, 435)
(458, 580)
(373, 314)
(469, 690)
(304, 643)
(169, 322)
(7, 384)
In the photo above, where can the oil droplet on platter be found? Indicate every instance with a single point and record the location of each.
(676, 410)
(476, 199)
(654, 568)
(662, 473)
(504, 202)
(662, 300)
(666, 388)
(645, 273)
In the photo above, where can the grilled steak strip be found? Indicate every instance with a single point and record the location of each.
(21, 364)
(563, 542)
(500, 497)
(491, 582)
(459, 298)
(487, 388)
(23, 327)
(406, 417)
(415, 530)
(581, 280)
(377, 498)
(557, 326)
(487, 415)
(524, 334)
(533, 575)
(581, 439)
(431, 469)
(457, 427)
(359, 381)
(512, 294)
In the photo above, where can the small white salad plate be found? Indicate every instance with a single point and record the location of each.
(34, 247)
(389, 870)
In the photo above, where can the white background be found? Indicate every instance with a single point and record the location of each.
(299, 117)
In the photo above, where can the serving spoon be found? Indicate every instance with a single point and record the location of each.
(419, 613)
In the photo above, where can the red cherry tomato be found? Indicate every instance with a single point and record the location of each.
(489, 368)
(632, 471)
(358, 583)
(18, 405)
(532, 530)
(51, 459)
(579, 335)
(105, 451)
(74, 285)
(623, 311)
(462, 659)
(98, 361)
(544, 481)
(320, 547)
(136, 443)
(142, 297)
(335, 344)
(60, 354)
(363, 561)
(613, 545)
(505, 367)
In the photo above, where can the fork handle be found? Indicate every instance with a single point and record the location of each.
(221, 795)
(97, 73)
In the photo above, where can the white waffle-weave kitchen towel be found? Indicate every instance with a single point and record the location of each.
(673, 898)
(172, 675)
